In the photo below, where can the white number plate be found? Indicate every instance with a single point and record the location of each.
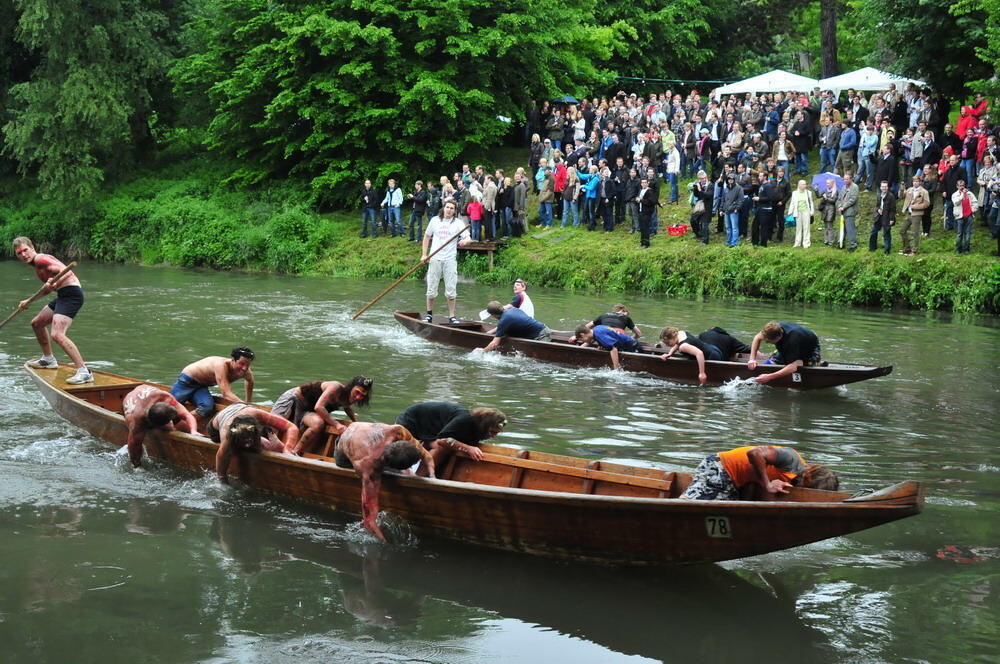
(718, 526)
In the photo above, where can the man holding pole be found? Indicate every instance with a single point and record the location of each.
(59, 313)
(440, 253)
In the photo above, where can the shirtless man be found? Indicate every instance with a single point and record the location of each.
(194, 381)
(369, 448)
(147, 407)
(58, 313)
(308, 406)
(443, 427)
(240, 428)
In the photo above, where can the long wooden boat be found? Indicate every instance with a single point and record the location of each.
(513, 499)
(472, 334)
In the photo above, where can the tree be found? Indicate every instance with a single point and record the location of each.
(335, 91)
(658, 39)
(828, 37)
(925, 41)
(989, 54)
(87, 101)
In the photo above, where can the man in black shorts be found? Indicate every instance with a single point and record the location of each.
(59, 313)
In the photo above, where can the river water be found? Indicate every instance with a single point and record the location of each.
(104, 563)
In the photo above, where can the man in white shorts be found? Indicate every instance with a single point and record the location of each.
(444, 265)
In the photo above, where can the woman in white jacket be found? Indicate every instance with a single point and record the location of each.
(802, 206)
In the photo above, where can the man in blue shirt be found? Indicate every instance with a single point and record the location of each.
(515, 323)
(610, 338)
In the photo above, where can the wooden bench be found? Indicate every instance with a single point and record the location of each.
(480, 247)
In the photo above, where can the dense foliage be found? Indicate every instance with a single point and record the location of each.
(330, 90)
(85, 81)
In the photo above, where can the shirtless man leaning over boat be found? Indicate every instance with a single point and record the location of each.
(194, 381)
(369, 448)
(242, 428)
(147, 407)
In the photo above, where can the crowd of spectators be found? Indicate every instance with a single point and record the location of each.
(595, 162)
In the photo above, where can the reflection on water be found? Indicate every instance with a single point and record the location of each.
(157, 564)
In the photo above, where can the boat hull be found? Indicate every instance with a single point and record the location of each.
(630, 529)
(469, 334)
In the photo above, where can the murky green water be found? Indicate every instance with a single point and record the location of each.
(101, 563)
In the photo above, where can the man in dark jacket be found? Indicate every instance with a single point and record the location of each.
(884, 218)
(887, 169)
(784, 188)
(949, 185)
(619, 176)
(370, 200)
(767, 201)
(419, 200)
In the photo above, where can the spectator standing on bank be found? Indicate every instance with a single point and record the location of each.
(392, 203)
(419, 199)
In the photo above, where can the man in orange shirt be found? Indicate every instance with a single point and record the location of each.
(773, 468)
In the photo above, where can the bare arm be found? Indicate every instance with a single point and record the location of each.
(784, 371)
(371, 482)
(754, 345)
(332, 394)
(222, 457)
(288, 432)
(222, 380)
(471, 450)
(136, 434)
(188, 423)
(249, 381)
(698, 355)
(493, 344)
(760, 457)
(615, 361)
(424, 245)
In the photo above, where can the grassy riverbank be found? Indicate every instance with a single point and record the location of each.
(177, 215)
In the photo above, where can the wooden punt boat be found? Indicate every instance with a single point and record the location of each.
(472, 334)
(513, 499)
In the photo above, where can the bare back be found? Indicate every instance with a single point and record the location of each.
(207, 370)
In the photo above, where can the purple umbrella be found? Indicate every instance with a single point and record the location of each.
(819, 181)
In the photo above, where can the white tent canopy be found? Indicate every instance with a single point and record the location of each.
(772, 81)
(867, 79)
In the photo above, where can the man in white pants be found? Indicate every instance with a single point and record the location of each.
(444, 265)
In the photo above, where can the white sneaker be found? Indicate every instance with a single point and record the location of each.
(428, 318)
(80, 377)
(44, 363)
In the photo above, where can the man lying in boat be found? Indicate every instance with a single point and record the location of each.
(308, 407)
(193, 383)
(797, 346)
(514, 323)
(608, 338)
(727, 344)
(147, 407)
(242, 428)
(772, 468)
(371, 447)
(444, 427)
